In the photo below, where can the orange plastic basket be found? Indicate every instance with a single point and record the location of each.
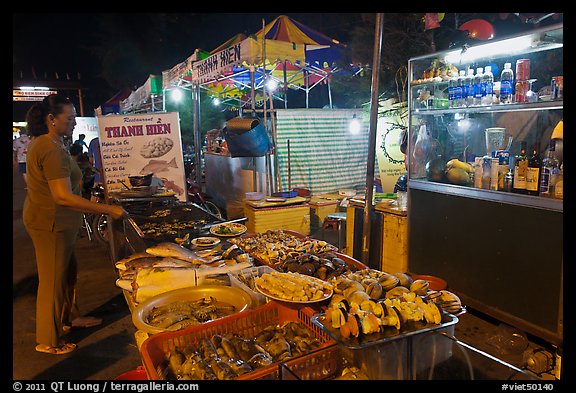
(248, 323)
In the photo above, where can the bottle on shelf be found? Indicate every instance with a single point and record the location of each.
(549, 172)
(559, 187)
(507, 84)
(452, 89)
(460, 95)
(487, 86)
(533, 173)
(469, 82)
(520, 170)
(486, 172)
(478, 86)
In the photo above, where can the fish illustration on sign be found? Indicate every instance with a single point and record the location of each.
(155, 166)
(170, 185)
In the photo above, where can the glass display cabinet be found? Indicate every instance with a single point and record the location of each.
(485, 191)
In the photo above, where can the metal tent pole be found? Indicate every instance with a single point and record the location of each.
(372, 138)
(329, 93)
(285, 87)
(197, 139)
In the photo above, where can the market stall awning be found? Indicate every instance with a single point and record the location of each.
(320, 49)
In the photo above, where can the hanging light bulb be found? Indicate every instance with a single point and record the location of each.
(271, 84)
(176, 95)
(216, 101)
(354, 125)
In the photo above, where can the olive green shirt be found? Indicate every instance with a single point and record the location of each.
(48, 161)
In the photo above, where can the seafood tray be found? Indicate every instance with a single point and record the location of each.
(249, 323)
(389, 334)
(239, 279)
(331, 362)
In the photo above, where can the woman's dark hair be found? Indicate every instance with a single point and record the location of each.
(36, 115)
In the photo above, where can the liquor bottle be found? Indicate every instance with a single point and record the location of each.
(520, 170)
(533, 173)
(559, 187)
(549, 172)
(507, 84)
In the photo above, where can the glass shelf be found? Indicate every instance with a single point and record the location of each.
(525, 106)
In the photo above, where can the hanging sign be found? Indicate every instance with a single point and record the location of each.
(142, 144)
(212, 66)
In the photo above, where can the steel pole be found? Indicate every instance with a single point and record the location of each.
(197, 139)
(372, 138)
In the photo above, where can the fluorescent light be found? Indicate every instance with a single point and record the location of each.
(489, 50)
(26, 87)
(355, 126)
(176, 95)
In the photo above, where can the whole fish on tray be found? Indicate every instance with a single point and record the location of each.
(130, 268)
(169, 249)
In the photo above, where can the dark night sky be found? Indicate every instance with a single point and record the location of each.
(150, 43)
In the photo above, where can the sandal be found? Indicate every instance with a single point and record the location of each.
(61, 350)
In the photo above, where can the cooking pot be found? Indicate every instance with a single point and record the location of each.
(140, 180)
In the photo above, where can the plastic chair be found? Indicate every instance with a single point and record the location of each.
(335, 221)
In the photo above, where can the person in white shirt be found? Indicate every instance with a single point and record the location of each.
(19, 149)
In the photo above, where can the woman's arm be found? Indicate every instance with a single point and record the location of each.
(61, 190)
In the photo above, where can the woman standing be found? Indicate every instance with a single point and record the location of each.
(53, 216)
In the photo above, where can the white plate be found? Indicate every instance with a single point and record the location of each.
(235, 228)
(327, 295)
(205, 241)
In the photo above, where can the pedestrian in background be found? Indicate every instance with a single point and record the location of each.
(95, 159)
(52, 217)
(80, 141)
(19, 149)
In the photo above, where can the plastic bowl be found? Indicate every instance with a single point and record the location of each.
(254, 196)
(231, 295)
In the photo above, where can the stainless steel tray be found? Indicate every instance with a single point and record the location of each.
(390, 333)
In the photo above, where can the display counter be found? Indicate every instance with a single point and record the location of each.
(228, 179)
(388, 235)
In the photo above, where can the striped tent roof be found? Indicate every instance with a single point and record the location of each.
(320, 48)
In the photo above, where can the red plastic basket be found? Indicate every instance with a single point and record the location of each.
(249, 323)
(322, 364)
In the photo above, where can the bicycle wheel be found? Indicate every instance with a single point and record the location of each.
(100, 228)
(213, 208)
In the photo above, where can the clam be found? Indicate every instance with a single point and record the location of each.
(405, 279)
(396, 292)
(420, 287)
(388, 281)
(449, 302)
(374, 290)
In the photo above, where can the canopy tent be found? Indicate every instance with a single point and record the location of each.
(297, 57)
(112, 105)
(143, 98)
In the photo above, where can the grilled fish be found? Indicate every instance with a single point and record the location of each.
(169, 249)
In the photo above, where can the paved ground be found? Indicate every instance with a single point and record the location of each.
(109, 350)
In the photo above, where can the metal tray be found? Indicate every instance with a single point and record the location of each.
(389, 334)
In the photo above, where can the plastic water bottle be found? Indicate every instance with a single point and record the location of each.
(452, 90)
(460, 95)
(507, 84)
(487, 86)
(478, 86)
(469, 82)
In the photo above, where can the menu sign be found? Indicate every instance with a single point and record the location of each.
(142, 144)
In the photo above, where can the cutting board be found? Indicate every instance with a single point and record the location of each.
(263, 203)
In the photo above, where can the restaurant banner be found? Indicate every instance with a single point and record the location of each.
(141, 144)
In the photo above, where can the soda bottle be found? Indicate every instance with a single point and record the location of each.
(452, 89)
(507, 84)
(460, 95)
(487, 86)
(478, 86)
(469, 82)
